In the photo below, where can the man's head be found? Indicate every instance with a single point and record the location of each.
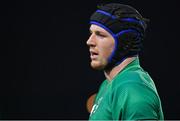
(117, 33)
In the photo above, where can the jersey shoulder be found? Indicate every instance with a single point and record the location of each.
(135, 98)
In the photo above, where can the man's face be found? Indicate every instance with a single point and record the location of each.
(101, 45)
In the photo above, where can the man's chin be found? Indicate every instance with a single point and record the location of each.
(97, 66)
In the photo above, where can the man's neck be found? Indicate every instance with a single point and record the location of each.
(110, 74)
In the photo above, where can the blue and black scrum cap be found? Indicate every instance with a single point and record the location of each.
(127, 27)
(118, 17)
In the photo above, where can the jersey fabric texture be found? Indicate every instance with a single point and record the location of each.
(131, 95)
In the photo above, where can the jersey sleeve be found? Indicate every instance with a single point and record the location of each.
(133, 101)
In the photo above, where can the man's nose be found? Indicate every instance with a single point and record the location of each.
(91, 40)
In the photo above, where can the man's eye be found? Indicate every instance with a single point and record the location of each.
(101, 35)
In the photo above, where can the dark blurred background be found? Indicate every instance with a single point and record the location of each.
(45, 71)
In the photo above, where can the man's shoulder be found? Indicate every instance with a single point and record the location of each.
(130, 76)
(134, 82)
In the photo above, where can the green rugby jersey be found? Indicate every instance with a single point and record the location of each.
(131, 95)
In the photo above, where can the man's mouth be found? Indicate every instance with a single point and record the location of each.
(93, 55)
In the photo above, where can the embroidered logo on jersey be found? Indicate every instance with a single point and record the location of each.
(95, 106)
